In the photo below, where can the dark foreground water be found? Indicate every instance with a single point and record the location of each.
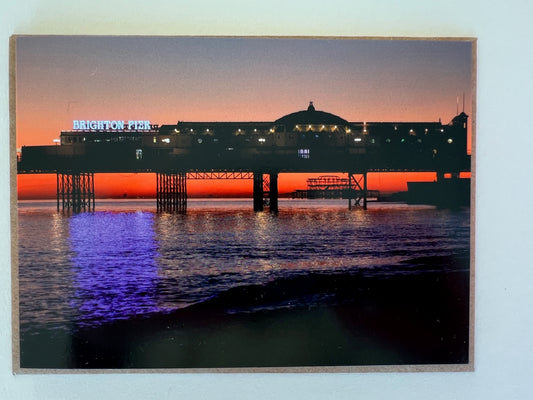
(222, 286)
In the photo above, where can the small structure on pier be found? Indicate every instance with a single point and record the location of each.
(334, 187)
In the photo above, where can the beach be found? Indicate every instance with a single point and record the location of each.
(411, 319)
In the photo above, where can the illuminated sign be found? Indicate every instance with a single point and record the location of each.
(113, 125)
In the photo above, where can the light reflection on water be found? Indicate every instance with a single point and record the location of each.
(94, 267)
(113, 264)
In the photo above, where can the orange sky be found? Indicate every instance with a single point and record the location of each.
(143, 185)
(166, 80)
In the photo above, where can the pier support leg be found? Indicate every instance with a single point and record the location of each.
(258, 191)
(266, 191)
(58, 193)
(171, 192)
(75, 191)
(349, 191)
(273, 192)
(365, 192)
(357, 189)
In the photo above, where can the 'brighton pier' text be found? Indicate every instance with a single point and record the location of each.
(113, 125)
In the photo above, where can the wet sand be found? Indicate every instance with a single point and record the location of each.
(415, 318)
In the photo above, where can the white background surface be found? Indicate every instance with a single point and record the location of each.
(504, 297)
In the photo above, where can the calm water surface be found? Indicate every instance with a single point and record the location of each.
(90, 268)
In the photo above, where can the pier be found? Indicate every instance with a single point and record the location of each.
(307, 141)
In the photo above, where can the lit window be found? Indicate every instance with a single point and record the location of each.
(262, 140)
(138, 154)
(442, 130)
(255, 130)
(192, 130)
(166, 140)
(450, 140)
(357, 139)
(303, 153)
(155, 140)
(271, 130)
(176, 130)
(207, 130)
(348, 130)
(335, 127)
(200, 141)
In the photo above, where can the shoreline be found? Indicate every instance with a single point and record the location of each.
(406, 319)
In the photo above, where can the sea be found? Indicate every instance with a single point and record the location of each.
(126, 260)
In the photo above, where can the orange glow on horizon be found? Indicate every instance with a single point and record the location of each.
(140, 185)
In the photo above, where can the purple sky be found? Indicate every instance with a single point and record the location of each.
(166, 79)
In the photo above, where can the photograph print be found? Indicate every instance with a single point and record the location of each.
(242, 203)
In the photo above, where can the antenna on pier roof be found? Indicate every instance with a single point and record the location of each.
(463, 102)
(457, 106)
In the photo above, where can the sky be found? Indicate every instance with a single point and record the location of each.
(169, 79)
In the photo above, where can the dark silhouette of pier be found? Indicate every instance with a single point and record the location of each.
(304, 141)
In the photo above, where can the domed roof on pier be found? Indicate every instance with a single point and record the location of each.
(311, 116)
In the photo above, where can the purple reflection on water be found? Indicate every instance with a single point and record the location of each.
(114, 265)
